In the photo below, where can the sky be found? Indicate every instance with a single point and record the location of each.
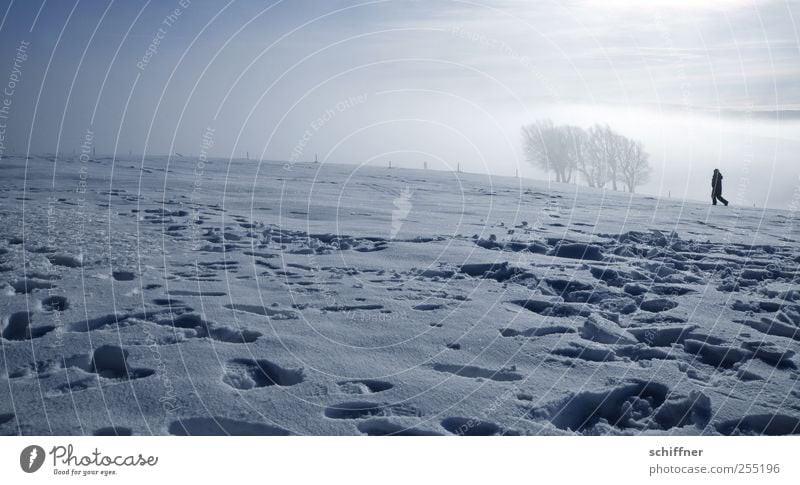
(703, 85)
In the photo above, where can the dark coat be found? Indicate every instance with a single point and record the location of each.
(716, 182)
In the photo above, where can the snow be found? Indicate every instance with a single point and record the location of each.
(165, 296)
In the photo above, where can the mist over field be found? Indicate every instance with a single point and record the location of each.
(444, 83)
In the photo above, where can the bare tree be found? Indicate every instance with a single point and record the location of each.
(546, 147)
(600, 154)
(593, 164)
(601, 161)
(634, 164)
(575, 139)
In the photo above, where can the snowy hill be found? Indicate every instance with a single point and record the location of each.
(246, 298)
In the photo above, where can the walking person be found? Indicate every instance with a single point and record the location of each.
(716, 188)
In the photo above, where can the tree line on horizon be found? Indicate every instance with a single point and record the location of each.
(600, 155)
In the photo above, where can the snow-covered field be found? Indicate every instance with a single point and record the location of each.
(233, 297)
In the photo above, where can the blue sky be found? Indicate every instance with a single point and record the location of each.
(702, 84)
